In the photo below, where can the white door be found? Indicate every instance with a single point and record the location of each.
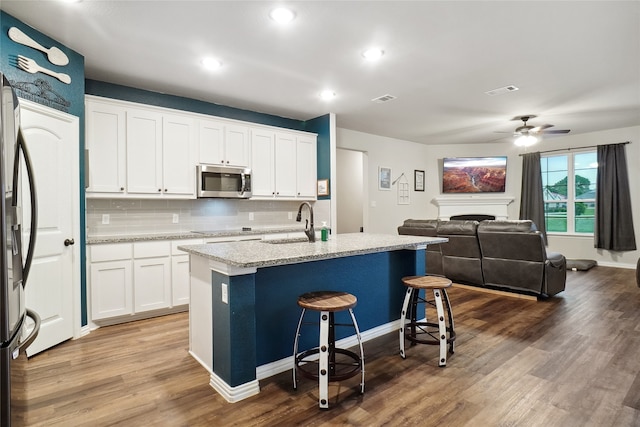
(52, 139)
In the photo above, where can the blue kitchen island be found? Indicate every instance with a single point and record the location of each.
(243, 311)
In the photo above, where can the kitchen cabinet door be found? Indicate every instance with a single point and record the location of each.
(144, 152)
(224, 144)
(111, 289)
(106, 148)
(306, 168)
(178, 164)
(285, 165)
(180, 279)
(211, 142)
(262, 163)
(236, 145)
(152, 278)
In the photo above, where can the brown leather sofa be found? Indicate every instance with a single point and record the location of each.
(504, 255)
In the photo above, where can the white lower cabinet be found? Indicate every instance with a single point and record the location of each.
(131, 278)
(180, 271)
(151, 276)
(111, 280)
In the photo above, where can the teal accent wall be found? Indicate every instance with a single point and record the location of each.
(51, 92)
(322, 126)
(125, 93)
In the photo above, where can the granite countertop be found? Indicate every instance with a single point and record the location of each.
(181, 235)
(258, 253)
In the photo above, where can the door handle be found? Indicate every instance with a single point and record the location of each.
(69, 242)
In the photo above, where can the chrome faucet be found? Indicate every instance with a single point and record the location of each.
(308, 228)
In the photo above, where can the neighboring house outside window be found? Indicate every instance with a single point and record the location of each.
(569, 186)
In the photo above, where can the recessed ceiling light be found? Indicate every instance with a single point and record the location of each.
(282, 15)
(211, 63)
(373, 53)
(327, 94)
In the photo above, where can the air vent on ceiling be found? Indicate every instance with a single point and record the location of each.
(384, 98)
(501, 90)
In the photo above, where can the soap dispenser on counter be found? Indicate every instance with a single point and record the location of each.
(324, 232)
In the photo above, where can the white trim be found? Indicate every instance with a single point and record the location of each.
(474, 204)
(234, 394)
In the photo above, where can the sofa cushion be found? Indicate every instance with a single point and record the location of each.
(458, 227)
(419, 227)
(518, 226)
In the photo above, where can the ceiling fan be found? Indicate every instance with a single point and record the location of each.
(527, 135)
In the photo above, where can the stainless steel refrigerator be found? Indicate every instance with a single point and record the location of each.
(14, 270)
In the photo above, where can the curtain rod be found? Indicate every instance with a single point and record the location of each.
(576, 148)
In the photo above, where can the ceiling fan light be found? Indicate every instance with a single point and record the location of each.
(525, 140)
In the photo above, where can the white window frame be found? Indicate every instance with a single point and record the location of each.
(571, 191)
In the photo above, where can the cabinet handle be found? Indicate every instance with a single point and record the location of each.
(165, 190)
(159, 190)
(121, 188)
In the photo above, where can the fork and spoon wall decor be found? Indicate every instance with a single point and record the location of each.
(54, 55)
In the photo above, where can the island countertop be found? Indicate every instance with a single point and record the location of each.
(264, 253)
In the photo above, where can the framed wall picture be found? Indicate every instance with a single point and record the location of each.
(384, 178)
(418, 180)
(323, 187)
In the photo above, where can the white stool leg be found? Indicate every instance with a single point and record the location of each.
(442, 328)
(355, 325)
(295, 350)
(323, 365)
(403, 319)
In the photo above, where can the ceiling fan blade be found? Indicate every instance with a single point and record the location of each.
(556, 131)
(541, 127)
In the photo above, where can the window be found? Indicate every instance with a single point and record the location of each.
(569, 186)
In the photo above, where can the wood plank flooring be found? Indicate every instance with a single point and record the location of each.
(571, 360)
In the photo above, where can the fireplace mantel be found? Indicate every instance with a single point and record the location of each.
(473, 204)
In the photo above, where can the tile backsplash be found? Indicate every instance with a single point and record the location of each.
(106, 217)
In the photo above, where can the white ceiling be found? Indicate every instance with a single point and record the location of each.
(577, 63)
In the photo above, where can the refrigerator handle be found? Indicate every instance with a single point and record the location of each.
(33, 334)
(34, 202)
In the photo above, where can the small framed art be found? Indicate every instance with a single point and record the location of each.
(418, 180)
(384, 178)
(323, 187)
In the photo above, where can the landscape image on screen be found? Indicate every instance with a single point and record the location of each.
(474, 175)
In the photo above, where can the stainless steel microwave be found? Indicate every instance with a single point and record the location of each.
(224, 181)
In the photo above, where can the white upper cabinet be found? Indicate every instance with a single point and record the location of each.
(106, 148)
(223, 144)
(262, 163)
(283, 165)
(306, 167)
(178, 154)
(139, 152)
(144, 152)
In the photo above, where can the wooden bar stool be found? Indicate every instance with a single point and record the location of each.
(326, 362)
(423, 331)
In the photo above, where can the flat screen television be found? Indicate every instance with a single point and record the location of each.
(474, 174)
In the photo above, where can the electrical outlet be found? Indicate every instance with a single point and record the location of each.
(250, 216)
(105, 219)
(290, 215)
(176, 218)
(225, 293)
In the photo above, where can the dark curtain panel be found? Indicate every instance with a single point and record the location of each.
(614, 221)
(532, 199)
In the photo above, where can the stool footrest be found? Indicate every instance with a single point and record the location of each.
(433, 340)
(340, 369)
